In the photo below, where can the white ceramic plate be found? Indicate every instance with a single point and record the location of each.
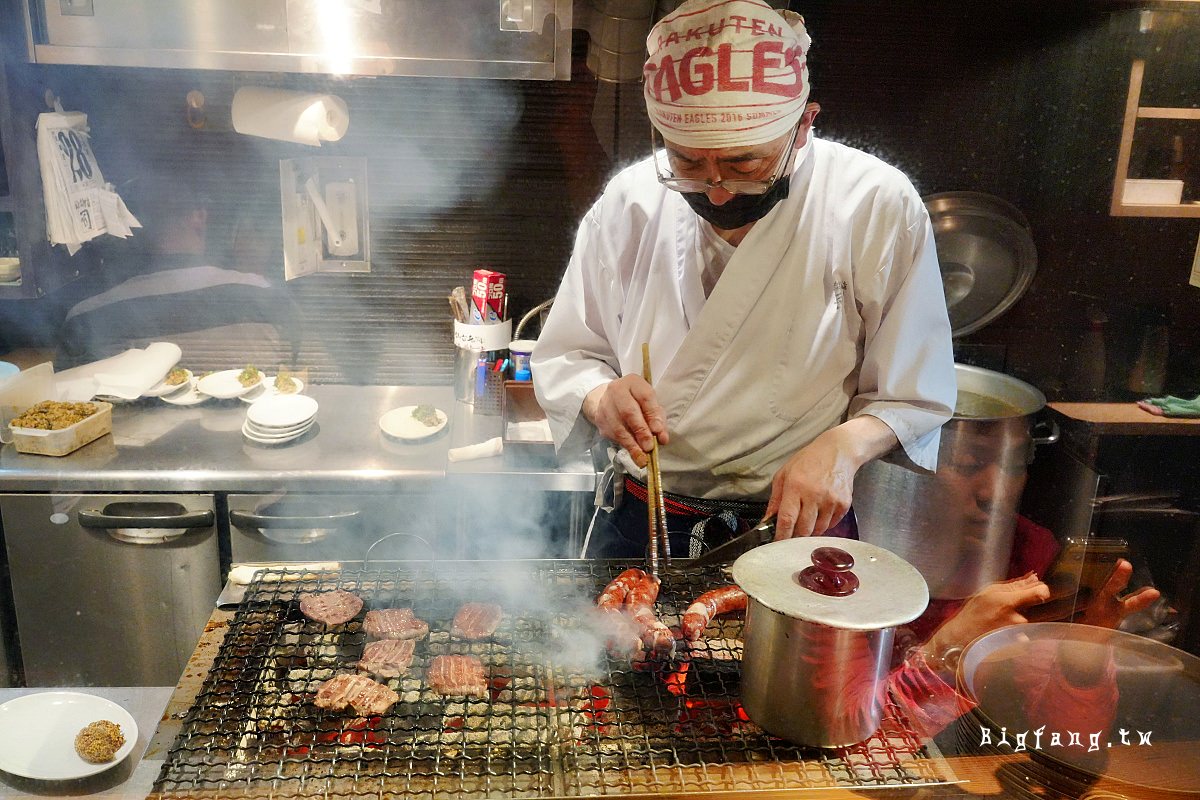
(37, 734)
(186, 397)
(401, 424)
(268, 433)
(282, 411)
(282, 439)
(163, 388)
(225, 384)
(267, 389)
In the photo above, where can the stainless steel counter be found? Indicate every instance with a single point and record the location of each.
(133, 777)
(159, 447)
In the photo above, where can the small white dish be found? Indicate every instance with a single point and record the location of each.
(163, 388)
(267, 389)
(37, 734)
(186, 397)
(400, 423)
(225, 385)
(282, 411)
(273, 440)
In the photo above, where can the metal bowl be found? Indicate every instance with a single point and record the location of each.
(987, 256)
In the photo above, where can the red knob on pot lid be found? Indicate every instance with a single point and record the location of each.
(889, 590)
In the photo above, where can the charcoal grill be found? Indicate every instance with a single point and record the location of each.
(562, 718)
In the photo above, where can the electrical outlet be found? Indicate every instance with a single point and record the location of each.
(76, 8)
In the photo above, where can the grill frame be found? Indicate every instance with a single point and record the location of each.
(554, 724)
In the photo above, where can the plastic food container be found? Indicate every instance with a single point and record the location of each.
(66, 440)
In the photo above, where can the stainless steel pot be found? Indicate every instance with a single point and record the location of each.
(956, 526)
(818, 636)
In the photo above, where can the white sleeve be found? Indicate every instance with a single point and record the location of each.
(907, 374)
(574, 354)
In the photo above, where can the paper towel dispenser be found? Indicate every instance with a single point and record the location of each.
(520, 39)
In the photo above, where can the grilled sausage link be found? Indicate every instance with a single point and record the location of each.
(617, 590)
(712, 603)
(640, 605)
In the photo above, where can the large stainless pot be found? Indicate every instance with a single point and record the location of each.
(817, 643)
(956, 526)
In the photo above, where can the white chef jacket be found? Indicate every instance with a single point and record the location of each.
(830, 308)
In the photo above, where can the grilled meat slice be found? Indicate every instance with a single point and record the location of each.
(394, 623)
(458, 676)
(358, 692)
(476, 620)
(389, 658)
(331, 608)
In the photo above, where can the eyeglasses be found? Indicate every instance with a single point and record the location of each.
(662, 168)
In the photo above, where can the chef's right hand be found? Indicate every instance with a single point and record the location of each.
(626, 411)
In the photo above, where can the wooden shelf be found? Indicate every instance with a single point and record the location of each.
(1134, 112)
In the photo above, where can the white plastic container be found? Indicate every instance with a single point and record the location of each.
(1143, 192)
(65, 440)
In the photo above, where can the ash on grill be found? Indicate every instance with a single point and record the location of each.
(559, 718)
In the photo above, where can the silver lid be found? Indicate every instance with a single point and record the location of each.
(890, 590)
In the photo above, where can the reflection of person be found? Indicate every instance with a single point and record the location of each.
(1077, 693)
(788, 288)
(218, 316)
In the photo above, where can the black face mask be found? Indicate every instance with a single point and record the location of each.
(742, 209)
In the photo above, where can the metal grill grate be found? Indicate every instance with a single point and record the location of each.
(561, 718)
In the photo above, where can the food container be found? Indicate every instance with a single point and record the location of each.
(818, 637)
(956, 525)
(65, 440)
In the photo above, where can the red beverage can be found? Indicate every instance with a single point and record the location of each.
(487, 296)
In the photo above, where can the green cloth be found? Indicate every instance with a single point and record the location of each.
(1172, 406)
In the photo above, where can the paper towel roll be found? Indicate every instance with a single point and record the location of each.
(298, 117)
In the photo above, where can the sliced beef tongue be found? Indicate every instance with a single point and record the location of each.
(389, 658)
(476, 620)
(358, 692)
(457, 676)
(331, 608)
(394, 623)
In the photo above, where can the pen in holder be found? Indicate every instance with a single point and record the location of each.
(480, 353)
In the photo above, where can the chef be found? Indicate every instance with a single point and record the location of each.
(788, 288)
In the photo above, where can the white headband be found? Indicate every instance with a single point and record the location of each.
(726, 73)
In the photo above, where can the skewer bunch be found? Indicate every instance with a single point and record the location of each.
(656, 508)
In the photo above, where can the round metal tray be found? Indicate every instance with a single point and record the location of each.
(987, 256)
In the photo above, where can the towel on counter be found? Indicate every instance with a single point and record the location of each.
(492, 447)
(1171, 406)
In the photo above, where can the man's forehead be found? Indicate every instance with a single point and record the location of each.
(726, 153)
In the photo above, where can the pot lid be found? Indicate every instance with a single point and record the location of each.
(843, 583)
(987, 256)
(1007, 674)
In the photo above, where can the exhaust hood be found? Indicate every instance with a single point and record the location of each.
(517, 39)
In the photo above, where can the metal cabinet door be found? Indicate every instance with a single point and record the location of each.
(110, 589)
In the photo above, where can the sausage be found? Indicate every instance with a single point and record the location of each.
(712, 603)
(618, 588)
(639, 602)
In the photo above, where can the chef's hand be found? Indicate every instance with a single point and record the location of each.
(813, 490)
(626, 411)
(1107, 610)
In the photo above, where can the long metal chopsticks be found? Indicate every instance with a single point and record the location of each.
(656, 508)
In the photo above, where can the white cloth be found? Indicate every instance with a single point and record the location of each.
(726, 74)
(831, 307)
(126, 375)
(470, 452)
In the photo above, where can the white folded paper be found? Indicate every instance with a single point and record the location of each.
(492, 447)
(126, 375)
(300, 117)
(79, 204)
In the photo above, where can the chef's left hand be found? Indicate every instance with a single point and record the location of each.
(813, 490)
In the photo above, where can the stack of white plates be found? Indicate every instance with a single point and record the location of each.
(276, 420)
